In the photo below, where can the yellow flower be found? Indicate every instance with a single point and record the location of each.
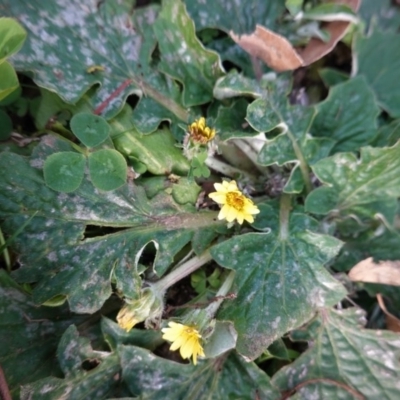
(186, 338)
(235, 204)
(200, 133)
(147, 307)
(127, 318)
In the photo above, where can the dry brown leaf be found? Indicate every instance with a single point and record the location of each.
(278, 53)
(316, 48)
(386, 272)
(392, 323)
(275, 50)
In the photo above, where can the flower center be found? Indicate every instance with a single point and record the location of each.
(235, 200)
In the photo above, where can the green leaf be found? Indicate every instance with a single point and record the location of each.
(106, 35)
(12, 37)
(231, 123)
(332, 76)
(158, 151)
(90, 129)
(108, 169)
(28, 353)
(222, 339)
(345, 361)
(280, 278)
(183, 56)
(115, 336)
(388, 134)
(140, 369)
(58, 250)
(377, 57)
(238, 16)
(360, 187)
(235, 84)
(6, 125)
(9, 80)
(348, 115)
(64, 171)
(148, 114)
(185, 191)
(383, 15)
(273, 112)
(78, 382)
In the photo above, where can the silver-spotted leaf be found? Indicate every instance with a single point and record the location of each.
(280, 278)
(64, 250)
(355, 186)
(183, 56)
(345, 361)
(140, 369)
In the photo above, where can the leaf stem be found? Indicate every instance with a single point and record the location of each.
(165, 101)
(222, 292)
(182, 271)
(305, 172)
(284, 214)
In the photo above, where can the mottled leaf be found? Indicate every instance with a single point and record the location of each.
(344, 361)
(360, 187)
(272, 112)
(235, 15)
(151, 377)
(63, 250)
(183, 56)
(29, 335)
(280, 278)
(75, 45)
(231, 121)
(79, 382)
(348, 116)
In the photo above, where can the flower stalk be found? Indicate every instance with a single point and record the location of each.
(182, 271)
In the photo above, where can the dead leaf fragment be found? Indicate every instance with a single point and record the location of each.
(275, 50)
(278, 53)
(386, 272)
(392, 323)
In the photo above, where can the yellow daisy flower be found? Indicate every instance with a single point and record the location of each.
(235, 204)
(199, 132)
(186, 338)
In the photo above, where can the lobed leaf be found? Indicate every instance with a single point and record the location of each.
(151, 377)
(345, 361)
(360, 187)
(183, 56)
(58, 249)
(280, 278)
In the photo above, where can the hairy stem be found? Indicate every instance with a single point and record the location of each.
(182, 271)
